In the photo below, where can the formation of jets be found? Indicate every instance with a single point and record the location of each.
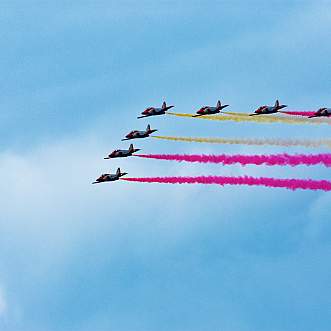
(205, 110)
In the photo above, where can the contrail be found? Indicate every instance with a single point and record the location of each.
(299, 113)
(241, 117)
(269, 160)
(291, 184)
(259, 142)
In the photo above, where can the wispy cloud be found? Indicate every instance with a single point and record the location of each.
(3, 303)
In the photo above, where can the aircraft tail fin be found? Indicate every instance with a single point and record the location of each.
(131, 148)
(164, 105)
(148, 128)
(118, 172)
(277, 103)
(218, 105)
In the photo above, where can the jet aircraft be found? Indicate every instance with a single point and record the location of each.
(110, 177)
(208, 110)
(139, 134)
(263, 110)
(122, 153)
(322, 112)
(152, 111)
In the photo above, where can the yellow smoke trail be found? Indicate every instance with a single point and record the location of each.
(260, 142)
(241, 117)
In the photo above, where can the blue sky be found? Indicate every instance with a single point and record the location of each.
(142, 257)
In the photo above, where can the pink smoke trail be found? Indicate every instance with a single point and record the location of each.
(291, 184)
(299, 113)
(269, 160)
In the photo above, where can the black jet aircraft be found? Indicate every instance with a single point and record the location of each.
(110, 177)
(153, 111)
(208, 110)
(322, 112)
(139, 134)
(264, 110)
(122, 152)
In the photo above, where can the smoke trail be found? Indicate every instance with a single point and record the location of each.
(259, 142)
(291, 184)
(241, 117)
(269, 160)
(299, 113)
(269, 118)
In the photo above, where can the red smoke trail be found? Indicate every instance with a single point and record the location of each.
(291, 184)
(299, 113)
(270, 160)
